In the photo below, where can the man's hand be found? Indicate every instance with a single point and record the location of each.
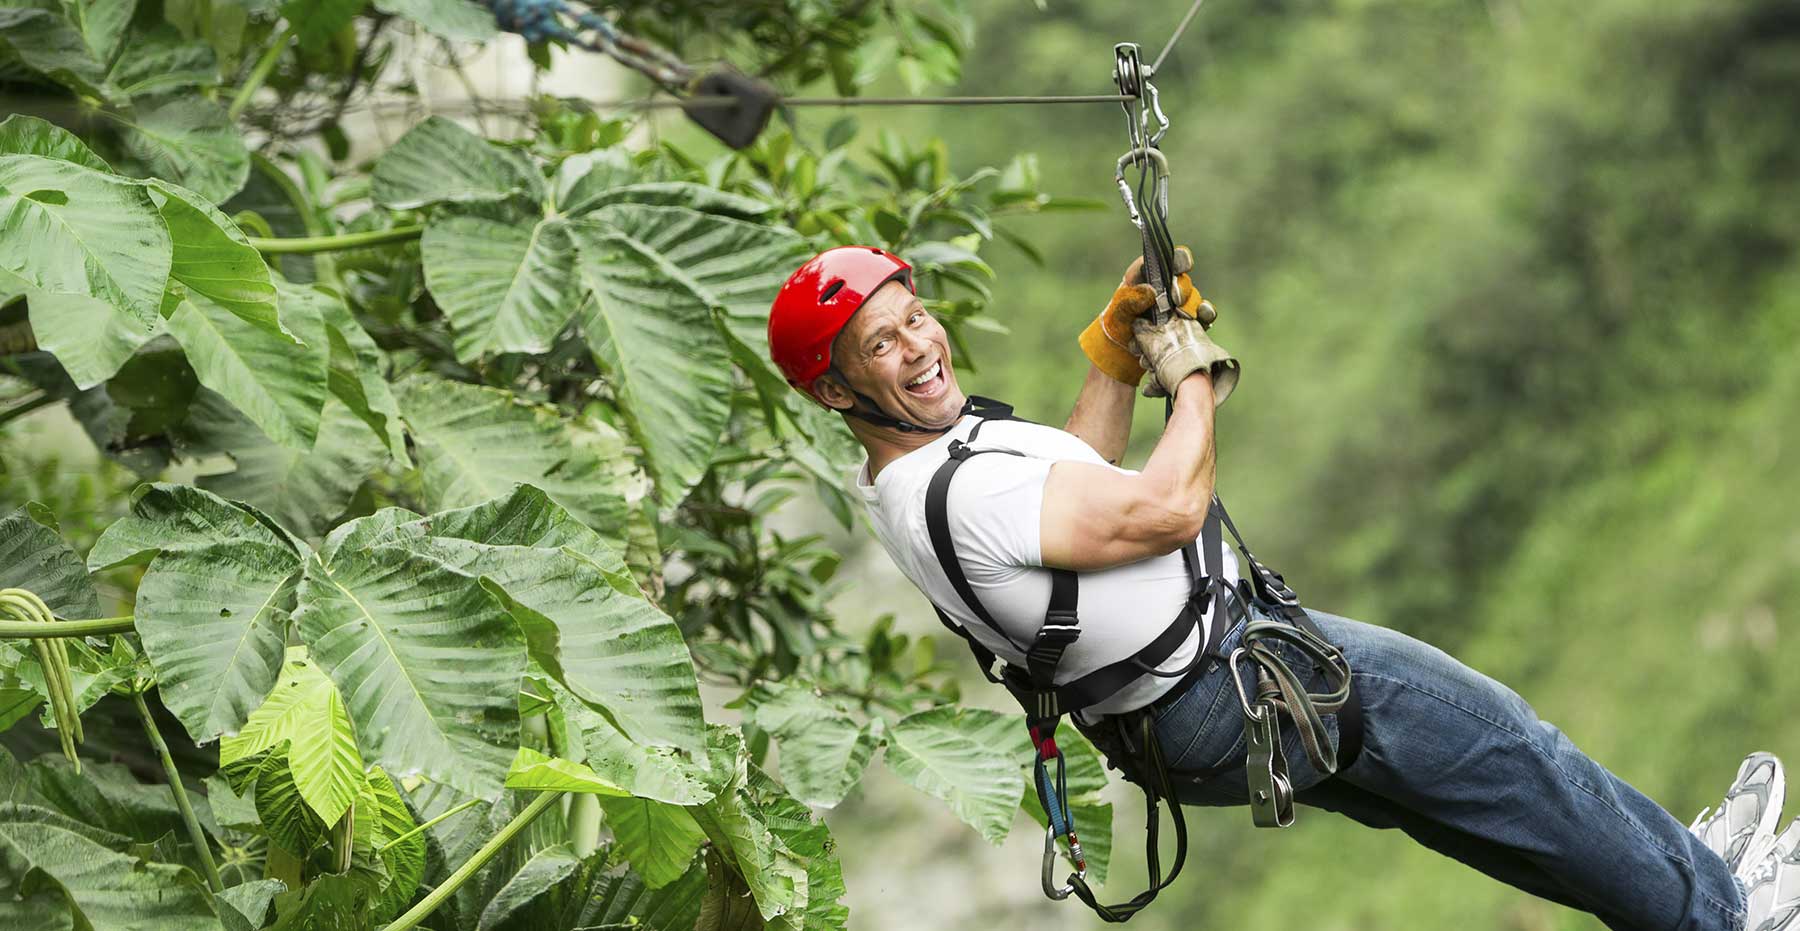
(1179, 347)
(1109, 342)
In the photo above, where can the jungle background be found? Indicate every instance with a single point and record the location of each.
(1516, 293)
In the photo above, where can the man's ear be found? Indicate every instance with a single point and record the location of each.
(833, 392)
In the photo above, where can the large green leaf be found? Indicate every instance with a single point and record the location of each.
(428, 665)
(438, 161)
(776, 878)
(213, 619)
(101, 23)
(306, 491)
(33, 556)
(160, 60)
(212, 258)
(966, 757)
(28, 135)
(404, 859)
(281, 812)
(304, 709)
(245, 907)
(474, 443)
(358, 375)
(463, 20)
(659, 839)
(613, 650)
(280, 385)
(546, 869)
(808, 839)
(734, 266)
(166, 516)
(191, 141)
(506, 281)
(99, 887)
(90, 338)
(525, 516)
(532, 770)
(621, 899)
(106, 796)
(823, 749)
(661, 774)
(669, 365)
(36, 34)
(67, 229)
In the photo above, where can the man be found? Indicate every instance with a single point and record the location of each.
(1451, 757)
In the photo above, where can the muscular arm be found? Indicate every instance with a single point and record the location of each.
(1096, 518)
(1102, 415)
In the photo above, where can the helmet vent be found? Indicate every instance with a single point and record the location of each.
(831, 290)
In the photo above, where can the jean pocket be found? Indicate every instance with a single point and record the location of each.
(1203, 729)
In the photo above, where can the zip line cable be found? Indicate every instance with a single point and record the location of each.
(1175, 37)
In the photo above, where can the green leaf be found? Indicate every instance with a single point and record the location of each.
(67, 229)
(231, 810)
(732, 266)
(101, 23)
(587, 195)
(280, 385)
(428, 665)
(306, 490)
(317, 21)
(775, 877)
(46, 42)
(268, 781)
(35, 557)
(966, 757)
(615, 651)
(328, 902)
(100, 888)
(166, 516)
(211, 258)
(507, 284)
(28, 135)
(16, 703)
(810, 841)
(438, 162)
(305, 711)
(546, 869)
(357, 376)
(670, 367)
(90, 338)
(405, 861)
(658, 839)
(533, 770)
(661, 774)
(191, 141)
(622, 900)
(246, 906)
(159, 60)
(462, 20)
(474, 443)
(823, 749)
(105, 796)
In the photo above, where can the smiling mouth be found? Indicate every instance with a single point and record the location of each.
(928, 383)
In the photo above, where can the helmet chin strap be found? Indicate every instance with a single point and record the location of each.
(880, 418)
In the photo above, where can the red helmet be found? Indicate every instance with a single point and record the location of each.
(818, 300)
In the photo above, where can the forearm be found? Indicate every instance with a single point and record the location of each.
(1102, 415)
(1185, 462)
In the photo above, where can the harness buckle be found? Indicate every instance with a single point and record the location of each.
(1271, 586)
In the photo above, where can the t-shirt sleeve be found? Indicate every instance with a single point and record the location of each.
(995, 508)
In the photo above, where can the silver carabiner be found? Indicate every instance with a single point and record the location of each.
(1051, 889)
(1155, 161)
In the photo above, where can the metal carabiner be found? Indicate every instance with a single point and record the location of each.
(1154, 161)
(1051, 889)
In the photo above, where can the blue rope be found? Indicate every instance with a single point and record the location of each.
(1053, 806)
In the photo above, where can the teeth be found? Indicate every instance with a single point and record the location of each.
(929, 375)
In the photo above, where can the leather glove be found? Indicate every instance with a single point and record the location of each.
(1108, 340)
(1178, 348)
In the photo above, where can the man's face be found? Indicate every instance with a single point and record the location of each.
(894, 352)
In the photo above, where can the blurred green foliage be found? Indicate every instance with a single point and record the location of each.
(1516, 292)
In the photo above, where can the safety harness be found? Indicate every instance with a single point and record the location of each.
(1129, 740)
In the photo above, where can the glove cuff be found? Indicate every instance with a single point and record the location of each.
(1110, 353)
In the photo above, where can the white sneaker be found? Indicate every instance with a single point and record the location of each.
(1744, 823)
(1772, 890)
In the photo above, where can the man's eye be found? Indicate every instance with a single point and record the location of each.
(882, 346)
(917, 318)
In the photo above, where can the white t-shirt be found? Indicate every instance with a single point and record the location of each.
(995, 506)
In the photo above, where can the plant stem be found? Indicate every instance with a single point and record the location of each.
(42, 400)
(409, 835)
(474, 864)
(97, 627)
(260, 73)
(340, 242)
(180, 792)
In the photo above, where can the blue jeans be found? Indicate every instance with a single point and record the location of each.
(1463, 765)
